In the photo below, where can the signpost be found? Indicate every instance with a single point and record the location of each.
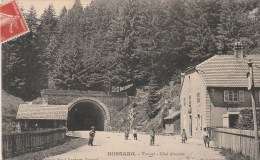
(251, 88)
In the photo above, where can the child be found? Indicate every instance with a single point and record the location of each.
(183, 136)
(205, 135)
(135, 134)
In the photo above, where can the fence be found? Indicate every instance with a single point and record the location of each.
(239, 141)
(15, 143)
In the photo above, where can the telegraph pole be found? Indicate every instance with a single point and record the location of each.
(252, 90)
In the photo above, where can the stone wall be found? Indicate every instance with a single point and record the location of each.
(114, 101)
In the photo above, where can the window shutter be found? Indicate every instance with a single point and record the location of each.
(198, 97)
(241, 96)
(196, 120)
(200, 122)
(189, 99)
(226, 96)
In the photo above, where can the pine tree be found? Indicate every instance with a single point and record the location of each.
(63, 12)
(199, 34)
(23, 71)
(49, 47)
(126, 33)
(154, 97)
(233, 21)
(48, 24)
(70, 73)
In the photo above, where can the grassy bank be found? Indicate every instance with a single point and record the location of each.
(230, 155)
(63, 147)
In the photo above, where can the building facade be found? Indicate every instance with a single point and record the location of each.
(214, 91)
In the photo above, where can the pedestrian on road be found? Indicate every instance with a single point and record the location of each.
(126, 134)
(205, 135)
(91, 136)
(183, 136)
(152, 137)
(135, 134)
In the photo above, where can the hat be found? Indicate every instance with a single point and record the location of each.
(92, 127)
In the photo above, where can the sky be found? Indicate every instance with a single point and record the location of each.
(40, 5)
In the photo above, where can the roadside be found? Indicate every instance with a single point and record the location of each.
(69, 144)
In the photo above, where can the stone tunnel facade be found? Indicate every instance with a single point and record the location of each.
(109, 104)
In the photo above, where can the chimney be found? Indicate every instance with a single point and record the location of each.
(182, 77)
(238, 50)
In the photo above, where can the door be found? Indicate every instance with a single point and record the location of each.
(190, 124)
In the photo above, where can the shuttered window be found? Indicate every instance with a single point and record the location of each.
(234, 96)
(241, 96)
(225, 96)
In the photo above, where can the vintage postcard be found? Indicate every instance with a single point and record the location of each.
(130, 79)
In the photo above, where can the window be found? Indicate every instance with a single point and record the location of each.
(189, 99)
(198, 97)
(184, 101)
(233, 96)
(241, 96)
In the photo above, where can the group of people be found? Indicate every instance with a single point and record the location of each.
(152, 135)
(134, 134)
(205, 136)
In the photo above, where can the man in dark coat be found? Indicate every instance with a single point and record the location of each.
(152, 135)
(91, 136)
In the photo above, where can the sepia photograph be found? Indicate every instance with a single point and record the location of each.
(130, 79)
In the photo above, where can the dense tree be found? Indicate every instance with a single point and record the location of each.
(233, 26)
(70, 73)
(117, 42)
(200, 39)
(23, 68)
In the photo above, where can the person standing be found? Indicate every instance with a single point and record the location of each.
(183, 136)
(126, 134)
(135, 134)
(91, 136)
(205, 135)
(152, 137)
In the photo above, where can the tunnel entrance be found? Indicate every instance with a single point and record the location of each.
(83, 115)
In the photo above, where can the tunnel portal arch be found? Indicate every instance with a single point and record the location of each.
(85, 112)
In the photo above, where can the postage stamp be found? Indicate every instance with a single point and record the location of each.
(12, 22)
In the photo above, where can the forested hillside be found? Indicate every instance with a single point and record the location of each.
(114, 42)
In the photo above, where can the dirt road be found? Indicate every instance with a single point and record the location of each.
(112, 146)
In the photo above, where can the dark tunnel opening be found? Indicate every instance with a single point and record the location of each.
(84, 115)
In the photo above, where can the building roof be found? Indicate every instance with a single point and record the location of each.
(36, 111)
(228, 71)
(173, 115)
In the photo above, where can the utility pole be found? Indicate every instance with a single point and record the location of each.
(250, 77)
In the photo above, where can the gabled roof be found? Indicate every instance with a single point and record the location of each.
(228, 71)
(173, 115)
(51, 112)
